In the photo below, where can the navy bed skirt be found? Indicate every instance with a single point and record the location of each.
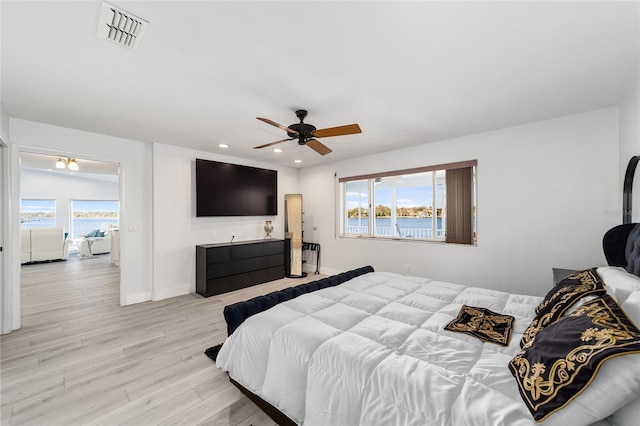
(236, 313)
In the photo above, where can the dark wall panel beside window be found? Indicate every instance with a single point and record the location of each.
(460, 206)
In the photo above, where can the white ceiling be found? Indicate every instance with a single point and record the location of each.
(408, 72)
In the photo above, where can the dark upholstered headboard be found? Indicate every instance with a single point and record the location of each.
(235, 314)
(621, 245)
(632, 251)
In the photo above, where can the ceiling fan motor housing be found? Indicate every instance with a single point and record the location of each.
(304, 132)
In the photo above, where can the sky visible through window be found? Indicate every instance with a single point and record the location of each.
(406, 197)
(38, 206)
(37, 213)
(95, 206)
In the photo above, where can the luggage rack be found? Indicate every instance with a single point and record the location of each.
(313, 247)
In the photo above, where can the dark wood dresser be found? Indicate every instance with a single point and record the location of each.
(225, 267)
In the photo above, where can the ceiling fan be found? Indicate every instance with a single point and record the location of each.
(307, 134)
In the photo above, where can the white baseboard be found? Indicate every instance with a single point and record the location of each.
(131, 299)
(171, 292)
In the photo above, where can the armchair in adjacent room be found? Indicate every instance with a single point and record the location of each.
(101, 238)
(43, 244)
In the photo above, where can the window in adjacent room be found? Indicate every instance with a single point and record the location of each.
(433, 203)
(89, 215)
(35, 213)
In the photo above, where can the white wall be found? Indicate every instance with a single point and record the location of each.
(177, 230)
(630, 144)
(544, 190)
(134, 157)
(4, 124)
(37, 184)
(545, 193)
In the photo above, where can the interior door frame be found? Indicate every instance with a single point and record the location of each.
(11, 291)
(5, 253)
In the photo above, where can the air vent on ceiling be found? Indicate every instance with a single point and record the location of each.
(120, 27)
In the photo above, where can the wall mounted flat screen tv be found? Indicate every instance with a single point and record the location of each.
(224, 189)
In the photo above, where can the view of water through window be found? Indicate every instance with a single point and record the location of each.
(89, 215)
(36, 213)
(86, 215)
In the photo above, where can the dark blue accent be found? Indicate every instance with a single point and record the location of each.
(236, 313)
(212, 352)
(632, 251)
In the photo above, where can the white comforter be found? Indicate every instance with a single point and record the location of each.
(374, 351)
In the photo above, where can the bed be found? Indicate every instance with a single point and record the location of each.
(378, 348)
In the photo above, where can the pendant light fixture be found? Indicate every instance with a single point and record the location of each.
(72, 165)
(69, 163)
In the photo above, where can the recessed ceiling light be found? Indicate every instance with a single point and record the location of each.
(297, 161)
(277, 150)
(223, 145)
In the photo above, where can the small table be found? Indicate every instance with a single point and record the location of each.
(84, 248)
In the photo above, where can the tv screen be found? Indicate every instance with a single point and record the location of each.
(224, 189)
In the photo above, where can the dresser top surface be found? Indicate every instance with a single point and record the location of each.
(239, 243)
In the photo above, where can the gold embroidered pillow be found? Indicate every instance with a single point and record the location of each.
(484, 324)
(567, 354)
(568, 292)
(572, 288)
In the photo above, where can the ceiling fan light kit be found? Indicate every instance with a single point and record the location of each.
(306, 134)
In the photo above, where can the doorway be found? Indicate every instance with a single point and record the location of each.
(52, 194)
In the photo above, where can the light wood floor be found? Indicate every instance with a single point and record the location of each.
(80, 358)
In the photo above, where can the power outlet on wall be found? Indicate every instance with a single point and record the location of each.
(407, 269)
(214, 236)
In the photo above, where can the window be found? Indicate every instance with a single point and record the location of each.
(37, 213)
(357, 210)
(435, 203)
(89, 215)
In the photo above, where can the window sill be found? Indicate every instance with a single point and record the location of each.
(381, 238)
(407, 239)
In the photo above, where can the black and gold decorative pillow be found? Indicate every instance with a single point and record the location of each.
(484, 324)
(566, 355)
(561, 297)
(572, 288)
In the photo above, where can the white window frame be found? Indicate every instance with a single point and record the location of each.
(437, 235)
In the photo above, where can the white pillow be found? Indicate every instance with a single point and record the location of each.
(620, 284)
(616, 385)
(631, 307)
(627, 415)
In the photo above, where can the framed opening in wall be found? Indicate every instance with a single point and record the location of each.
(89, 215)
(431, 203)
(37, 213)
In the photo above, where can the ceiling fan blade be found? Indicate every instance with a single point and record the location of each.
(318, 147)
(349, 129)
(279, 126)
(272, 143)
